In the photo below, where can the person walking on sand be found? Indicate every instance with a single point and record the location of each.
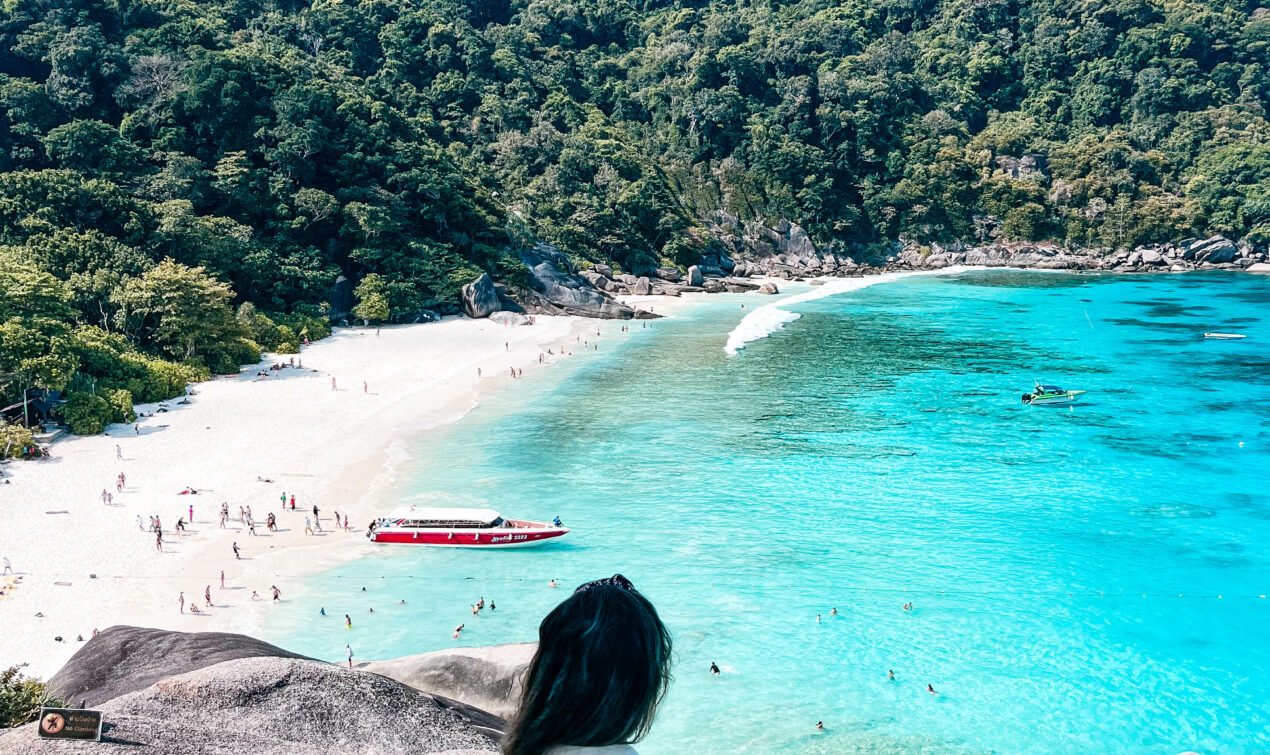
(222, 579)
(235, 546)
(308, 526)
(349, 649)
(191, 514)
(103, 495)
(315, 511)
(365, 387)
(207, 596)
(118, 452)
(332, 383)
(478, 372)
(277, 594)
(158, 540)
(140, 526)
(284, 499)
(182, 601)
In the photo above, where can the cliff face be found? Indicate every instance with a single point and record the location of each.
(176, 693)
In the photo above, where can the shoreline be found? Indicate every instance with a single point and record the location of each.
(86, 565)
(322, 467)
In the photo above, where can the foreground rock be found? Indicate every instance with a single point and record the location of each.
(124, 659)
(274, 706)
(485, 678)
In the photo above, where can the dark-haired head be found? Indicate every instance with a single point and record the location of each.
(602, 666)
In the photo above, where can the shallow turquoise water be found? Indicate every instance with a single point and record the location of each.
(1065, 566)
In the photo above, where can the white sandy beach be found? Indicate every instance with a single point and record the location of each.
(333, 449)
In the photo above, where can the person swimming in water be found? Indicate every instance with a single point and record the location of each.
(890, 674)
(714, 668)
(820, 726)
(931, 690)
(833, 612)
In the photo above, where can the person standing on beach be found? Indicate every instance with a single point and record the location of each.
(332, 383)
(277, 595)
(349, 649)
(140, 526)
(292, 502)
(478, 372)
(8, 567)
(182, 601)
(284, 499)
(191, 513)
(222, 579)
(315, 511)
(365, 387)
(207, 596)
(158, 540)
(235, 546)
(118, 452)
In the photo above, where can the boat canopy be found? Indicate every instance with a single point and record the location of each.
(1051, 389)
(422, 513)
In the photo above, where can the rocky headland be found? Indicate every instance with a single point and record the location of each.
(749, 256)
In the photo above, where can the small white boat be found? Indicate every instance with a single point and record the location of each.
(1225, 336)
(1048, 395)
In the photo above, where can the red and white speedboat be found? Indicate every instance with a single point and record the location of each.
(460, 528)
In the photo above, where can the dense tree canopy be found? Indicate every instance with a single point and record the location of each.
(272, 145)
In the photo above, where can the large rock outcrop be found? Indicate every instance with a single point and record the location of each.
(1217, 250)
(275, 706)
(556, 288)
(480, 298)
(122, 659)
(486, 678)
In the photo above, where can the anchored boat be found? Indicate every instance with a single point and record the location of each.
(460, 528)
(1225, 336)
(1044, 395)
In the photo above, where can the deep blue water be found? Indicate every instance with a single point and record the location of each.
(1083, 580)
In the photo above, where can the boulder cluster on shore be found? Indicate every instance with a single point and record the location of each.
(748, 252)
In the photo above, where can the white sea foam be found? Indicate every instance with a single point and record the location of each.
(769, 318)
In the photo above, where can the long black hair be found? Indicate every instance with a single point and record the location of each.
(602, 667)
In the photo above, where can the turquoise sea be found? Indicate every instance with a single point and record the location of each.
(1087, 579)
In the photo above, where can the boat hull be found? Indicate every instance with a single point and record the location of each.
(1054, 400)
(487, 538)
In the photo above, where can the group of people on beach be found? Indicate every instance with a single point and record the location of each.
(277, 367)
